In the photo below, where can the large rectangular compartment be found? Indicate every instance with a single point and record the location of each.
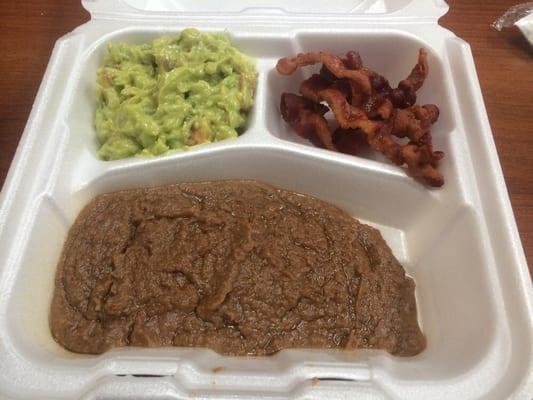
(459, 242)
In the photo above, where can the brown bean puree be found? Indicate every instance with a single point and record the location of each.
(240, 267)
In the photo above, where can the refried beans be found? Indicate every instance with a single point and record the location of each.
(239, 267)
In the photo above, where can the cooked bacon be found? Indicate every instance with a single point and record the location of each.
(352, 60)
(418, 75)
(366, 109)
(307, 119)
(422, 161)
(348, 141)
(382, 111)
(347, 116)
(327, 75)
(287, 66)
(311, 87)
(405, 94)
(414, 122)
(379, 83)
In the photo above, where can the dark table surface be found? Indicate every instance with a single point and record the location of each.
(503, 60)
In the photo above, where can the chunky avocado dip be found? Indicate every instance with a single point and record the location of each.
(172, 94)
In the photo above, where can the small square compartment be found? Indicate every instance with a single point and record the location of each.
(390, 53)
(83, 142)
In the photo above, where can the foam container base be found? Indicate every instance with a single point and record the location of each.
(459, 243)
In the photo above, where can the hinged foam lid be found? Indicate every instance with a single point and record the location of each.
(358, 9)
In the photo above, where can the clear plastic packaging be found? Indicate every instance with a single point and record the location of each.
(514, 14)
(521, 16)
(460, 242)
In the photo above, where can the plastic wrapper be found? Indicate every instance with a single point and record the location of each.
(520, 16)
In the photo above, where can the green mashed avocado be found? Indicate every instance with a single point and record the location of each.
(172, 94)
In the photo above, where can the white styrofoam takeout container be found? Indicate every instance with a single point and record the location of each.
(459, 242)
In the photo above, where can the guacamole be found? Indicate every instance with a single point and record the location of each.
(172, 94)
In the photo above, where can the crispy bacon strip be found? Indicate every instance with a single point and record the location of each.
(311, 87)
(348, 141)
(414, 122)
(352, 60)
(287, 66)
(347, 116)
(307, 119)
(384, 111)
(418, 75)
(405, 94)
(422, 162)
(419, 157)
